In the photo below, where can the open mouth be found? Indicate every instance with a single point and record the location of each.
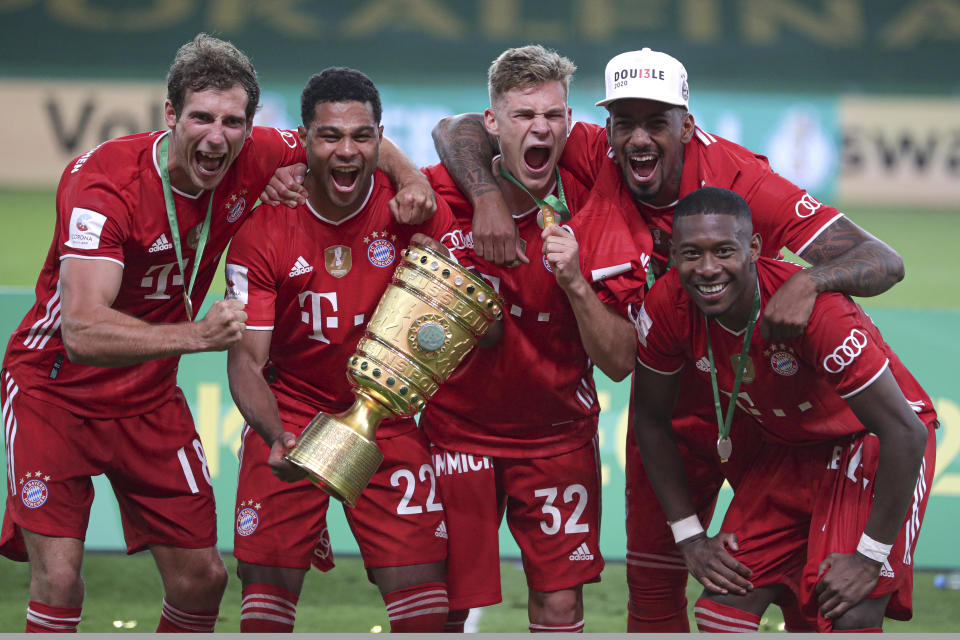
(711, 291)
(209, 163)
(345, 179)
(536, 158)
(642, 165)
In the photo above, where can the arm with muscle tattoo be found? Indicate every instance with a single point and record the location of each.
(845, 258)
(466, 150)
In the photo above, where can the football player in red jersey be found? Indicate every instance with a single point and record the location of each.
(310, 280)
(651, 154)
(514, 429)
(89, 376)
(829, 510)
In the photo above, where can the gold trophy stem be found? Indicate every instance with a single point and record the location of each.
(339, 453)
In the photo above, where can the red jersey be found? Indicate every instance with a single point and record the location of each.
(783, 214)
(794, 389)
(533, 392)
(315, 283)
(110, 206)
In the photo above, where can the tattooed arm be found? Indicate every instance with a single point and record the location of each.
(845, 258)
(466, 149)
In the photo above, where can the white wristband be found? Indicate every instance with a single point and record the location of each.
(876, 551)
(686, 528)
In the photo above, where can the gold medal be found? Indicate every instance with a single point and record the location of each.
(724, 449)
(188, 306)
(547, 216)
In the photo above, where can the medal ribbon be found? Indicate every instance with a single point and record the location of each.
(555, 204)
(723, 424)
(162, 158)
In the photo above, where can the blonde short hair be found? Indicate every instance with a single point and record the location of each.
(522, 67)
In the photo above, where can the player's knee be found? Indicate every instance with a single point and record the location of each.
(556, 607)
(202, 581)
(60, 585)
(867, 614)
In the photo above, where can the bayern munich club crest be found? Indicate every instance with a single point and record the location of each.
(381, 252)
(34, 492)
(783, 362)
(546, 264)
(248, 519)
(235, 206)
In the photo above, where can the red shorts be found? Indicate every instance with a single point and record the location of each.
(154, 461)
(653, 561)
(799, 504)
(553, 511)
(398, 519)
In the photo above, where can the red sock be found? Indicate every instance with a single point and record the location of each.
(46, 618)
(576, 627)
(173, 620)
(421, 608)
(267, 608)
(456, 620)
(713, 617)
(659, 607)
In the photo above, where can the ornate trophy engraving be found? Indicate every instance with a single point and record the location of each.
(429, 318)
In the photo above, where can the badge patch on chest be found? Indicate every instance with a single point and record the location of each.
(337, 260)
(748, 371)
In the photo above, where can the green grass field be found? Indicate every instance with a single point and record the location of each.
(123, 595)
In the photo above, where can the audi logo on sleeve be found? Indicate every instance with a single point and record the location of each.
(846, 352)
(806, 206)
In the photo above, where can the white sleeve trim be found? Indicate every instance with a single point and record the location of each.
(80, 257)
(886, 365)
(663, 373)
(817, 234)
(251, 328)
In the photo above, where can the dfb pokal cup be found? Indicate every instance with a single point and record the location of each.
(429, 318)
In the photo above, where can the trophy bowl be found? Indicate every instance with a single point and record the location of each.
(431, 315)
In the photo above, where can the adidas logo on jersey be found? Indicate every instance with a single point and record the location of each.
(160, 244)
(300, 267)
(581, 553)
(704, 365)
(441, 531)
(886, 571)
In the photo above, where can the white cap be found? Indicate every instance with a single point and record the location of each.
(648, 75)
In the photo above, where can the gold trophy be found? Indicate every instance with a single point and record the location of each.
(429, 318)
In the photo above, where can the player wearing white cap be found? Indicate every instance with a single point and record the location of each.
(651, 154)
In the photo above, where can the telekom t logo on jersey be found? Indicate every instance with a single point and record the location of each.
(158, 278)
(311, 312)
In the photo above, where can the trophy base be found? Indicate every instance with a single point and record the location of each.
(336, 458)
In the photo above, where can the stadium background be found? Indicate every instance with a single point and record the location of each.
(843, 96)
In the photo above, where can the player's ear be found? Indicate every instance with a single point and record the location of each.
(490, 122)
(302, 134)
(755, 244)
(687, 127)
(169, 115)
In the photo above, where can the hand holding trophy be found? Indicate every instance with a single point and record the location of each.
(429, 318)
